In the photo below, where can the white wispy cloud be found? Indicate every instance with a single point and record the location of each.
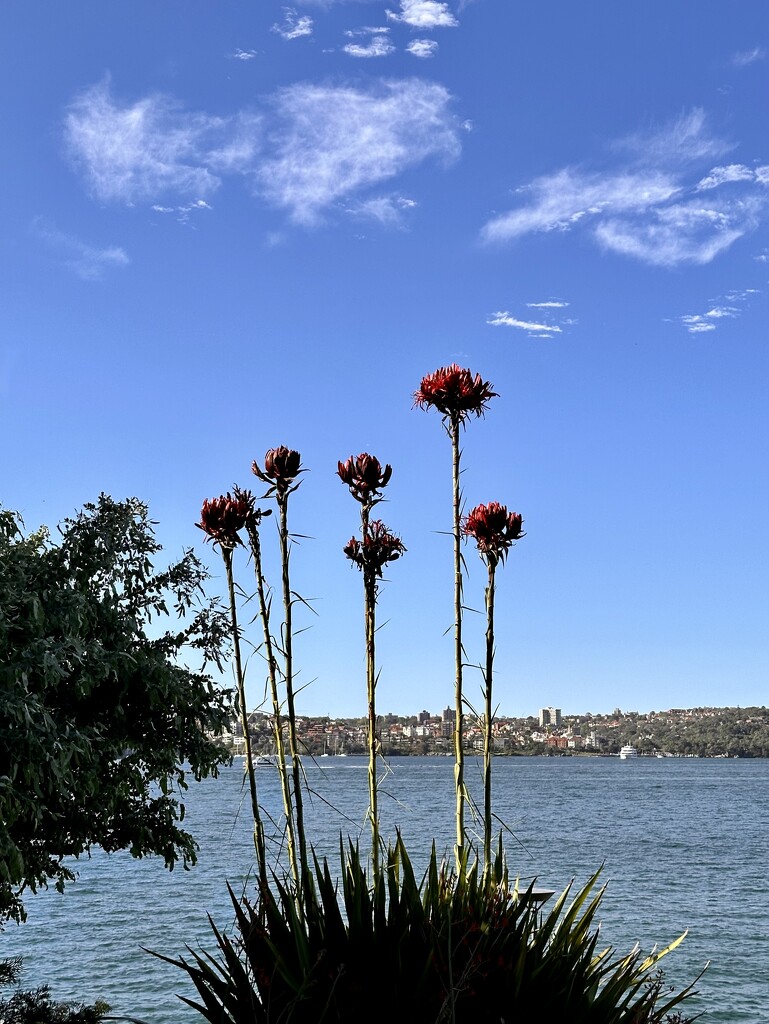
(183, 212)
(505, 319)
(310, 147)
(294, 25)
(546, 328)
(687, 139)
(422, 48)
(332, 141)
(385, 210)
(145, 149)
(723, 175)
(378, 43)
(89, 262)
(728, 307)
(424, 14)
(744, 58)
(244, 54)
(655, 209)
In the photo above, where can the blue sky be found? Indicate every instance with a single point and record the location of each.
(238, 225)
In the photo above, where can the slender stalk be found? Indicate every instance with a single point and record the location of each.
(261, 858)
(459, 766)
(369, 589)
(487, 737)
(272, 670)
(296, 766)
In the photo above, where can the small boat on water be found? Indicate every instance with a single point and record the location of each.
(627, 752)
(265, 760)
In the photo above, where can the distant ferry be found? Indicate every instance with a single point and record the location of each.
(627, 752)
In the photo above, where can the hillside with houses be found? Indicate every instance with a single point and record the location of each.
(678, 732)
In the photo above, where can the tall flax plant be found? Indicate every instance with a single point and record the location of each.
(494, 530)
(221, 519)
(457, 394)
(282, 466)
(253, 519)
(366, 479)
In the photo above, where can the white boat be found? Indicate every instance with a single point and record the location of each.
(627, 752)
(265, 760)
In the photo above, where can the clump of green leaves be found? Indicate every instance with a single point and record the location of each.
(35, 1006)
(98, 711)
(459, 947)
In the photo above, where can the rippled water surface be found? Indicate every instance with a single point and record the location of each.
(684, 844)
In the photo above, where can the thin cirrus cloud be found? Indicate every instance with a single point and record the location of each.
(545, 328)
(728, 307)
(744, 58)
(658, 208)
(334, 141)
(387, 210)
(147, 149)
(88, 262)
(293, 26)
(424, 14)
(309, 148)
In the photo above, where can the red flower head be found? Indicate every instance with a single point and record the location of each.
(379, 547)
(364, 476)
(454, 392)
(494, 529)
(281, 468)
(221, 518)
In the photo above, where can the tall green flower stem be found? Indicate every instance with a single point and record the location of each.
(281, 468)
(277, 717)
(369, 606)
(288, 671)
(457, 394)
(459, 753)
(366, 477)
(488, 718)
(377, 547)
(259, 846)
(221, 519)
(495, 531)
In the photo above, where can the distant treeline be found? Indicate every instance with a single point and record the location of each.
(702, 732)
(698, 732)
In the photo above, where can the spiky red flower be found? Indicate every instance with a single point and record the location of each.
(281, 467)
(364, 476)
(221, 518)
(378, 547)
(455, 392)
(494, 529)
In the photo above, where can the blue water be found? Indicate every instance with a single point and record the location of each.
(683, 844)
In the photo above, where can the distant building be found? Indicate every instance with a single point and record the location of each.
(550, 716)
(424, 716)
(449, 715)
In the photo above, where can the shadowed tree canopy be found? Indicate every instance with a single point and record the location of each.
(101, 721)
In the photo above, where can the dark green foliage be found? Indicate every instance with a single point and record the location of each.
(448, 949)
(36, 1007)
(97, 711)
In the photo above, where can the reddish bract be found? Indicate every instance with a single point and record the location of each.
(364, 476)
(455, 392)
(378, 548)
(493, 528)
(281, 467)
(221, 518)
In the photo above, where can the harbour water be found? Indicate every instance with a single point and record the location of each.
(683, 843)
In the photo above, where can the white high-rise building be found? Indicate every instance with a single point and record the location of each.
(549, 716)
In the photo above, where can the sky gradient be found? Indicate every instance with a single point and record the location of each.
(229, 227)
